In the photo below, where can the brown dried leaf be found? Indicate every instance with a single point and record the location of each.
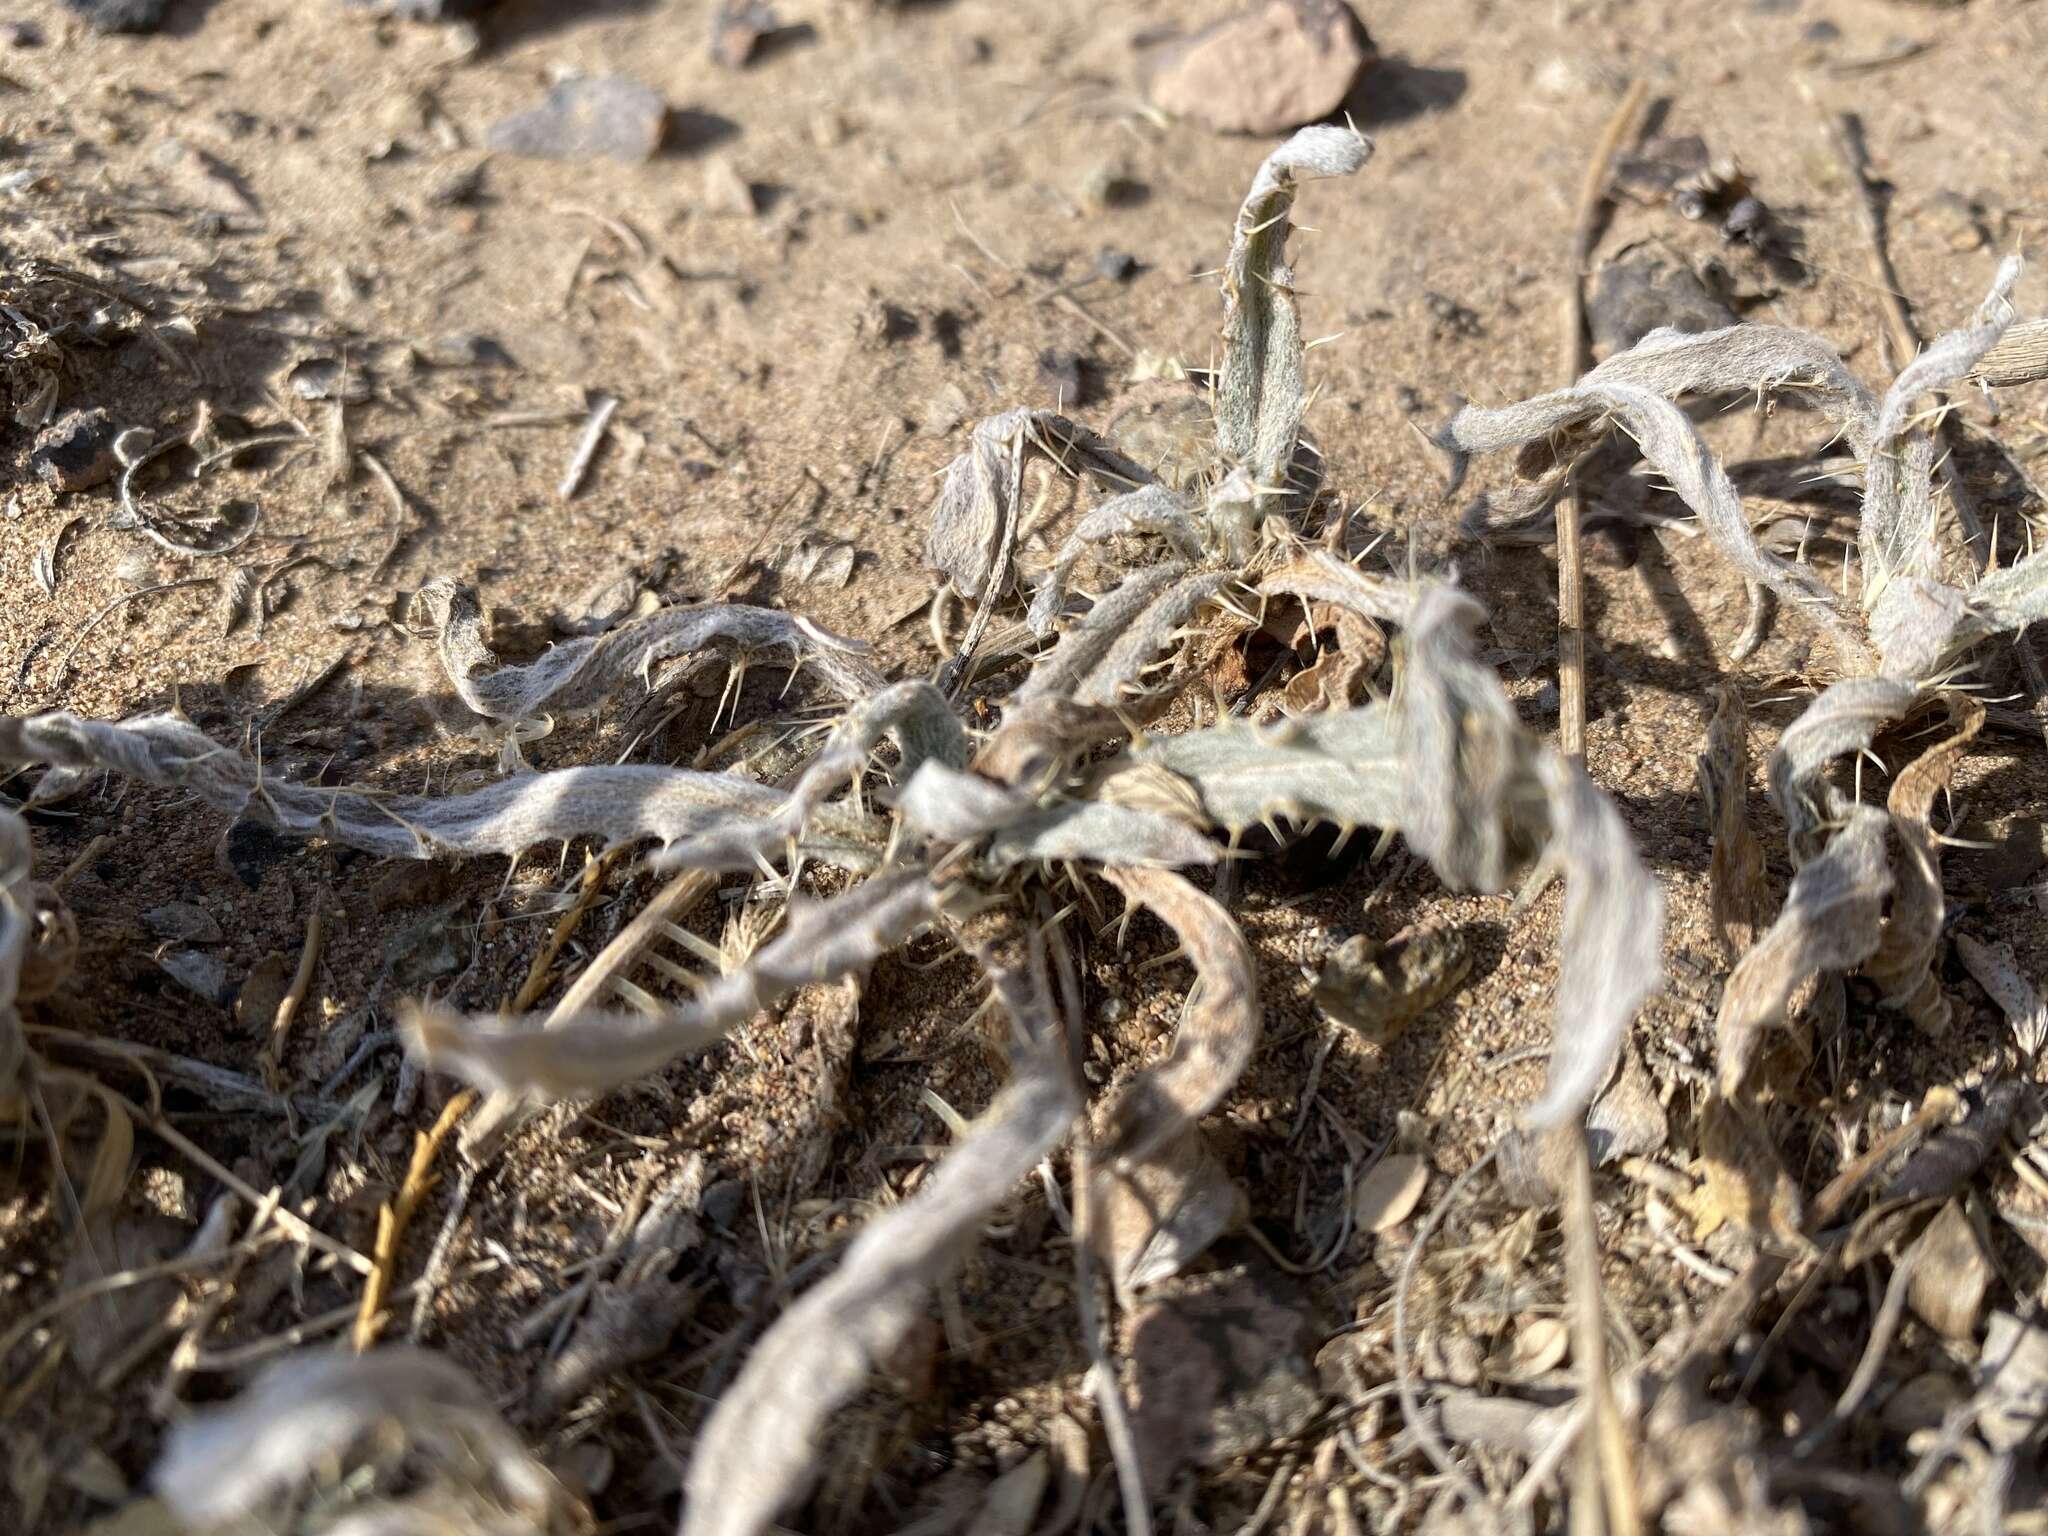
(1903, 965)
(1745, 1180)
(1951, 1273)
(1389, 1193)
(1218, 1031)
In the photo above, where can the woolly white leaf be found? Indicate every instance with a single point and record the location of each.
(977, 506)
(947, 805)
(1669, 443)
(579, 676)
(758, 1449)
(620, 804)
(592, 1052)
(1150, 510)
(1830, 922)
(1844, 719)
(1259, 396)
(1340, 767)
(230, 1464)
(1612, 941)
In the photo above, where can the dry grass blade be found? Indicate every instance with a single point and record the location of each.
(595, 1051)
(242, 1463)
(1735, 875)
(757, 1450)
(1259, 397)
(579, 676)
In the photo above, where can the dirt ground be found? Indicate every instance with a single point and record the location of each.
(846, 253)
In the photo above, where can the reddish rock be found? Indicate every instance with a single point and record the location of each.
(1266, 70)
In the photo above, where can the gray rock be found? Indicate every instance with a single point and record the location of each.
(427, 10)
(1272, 68)
(1644, 288)
(76, 451)
(1220, 1366)
(585, 119)
(121, 15)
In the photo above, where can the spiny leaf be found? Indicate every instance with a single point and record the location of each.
(757, 1451)
(977, 509)
(579, 676)
(946, 805)
(619, 804)
(1150, 510)
(1341, 767)
(592, 1052)
(1259, 396)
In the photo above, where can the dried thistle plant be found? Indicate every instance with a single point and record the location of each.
(1853, 903)
(978, 831)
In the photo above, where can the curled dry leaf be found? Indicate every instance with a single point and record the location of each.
(582, 675)
(1903, 966)
(1161, 1198)
(974, 522)
(1150, 511)
(1745, 1180)
(757, 1450)
(1951, 1272)
(1219, 1028)
(1539, 1346)
(1830, 923)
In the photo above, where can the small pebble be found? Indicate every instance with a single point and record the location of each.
(586, 119)
(76, 451)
